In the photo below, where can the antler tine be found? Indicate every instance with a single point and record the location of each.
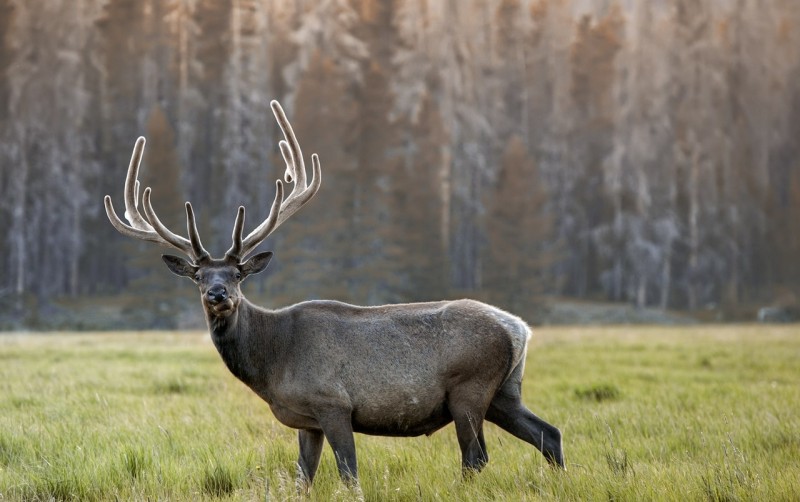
(199, 251)
(139, 227)
(296, 173)
(266, 227)
(298, 198)
(168, 237)
(235, 252)
(286, 152)
(132, 213)
(295, 163)
(126, 229)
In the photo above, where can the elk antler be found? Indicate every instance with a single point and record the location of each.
(281, 209)
(150, 228)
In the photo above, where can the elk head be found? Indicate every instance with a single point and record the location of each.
(218, 279)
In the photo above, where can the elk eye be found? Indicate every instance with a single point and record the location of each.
(196, 277)
(238, 276)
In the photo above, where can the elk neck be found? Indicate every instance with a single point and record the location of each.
(248, 341)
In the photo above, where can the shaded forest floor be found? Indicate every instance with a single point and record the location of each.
(654, 413)
(571, 312)
(183, 311)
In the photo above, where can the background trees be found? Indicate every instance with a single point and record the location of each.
(640, 152)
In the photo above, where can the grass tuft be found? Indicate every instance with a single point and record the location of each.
(59, 487)
(10, 450)
(22, 403)
(218, 480)
(731, 479)
(617, 461)
(135, 461)
(598, 393)
(171, 386)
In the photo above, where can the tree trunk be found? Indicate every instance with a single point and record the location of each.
(694, 236)
(18, 219)
(666, 278)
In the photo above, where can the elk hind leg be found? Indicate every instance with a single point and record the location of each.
(510, 414)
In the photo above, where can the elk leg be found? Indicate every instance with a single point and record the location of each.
(338, 430)
(469, 430)
(482, 443)
(512, 416)
(310, 452)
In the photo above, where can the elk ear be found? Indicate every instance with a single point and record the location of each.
(179, 266)
(256, 263)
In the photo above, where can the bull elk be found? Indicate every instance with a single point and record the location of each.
(330, 369)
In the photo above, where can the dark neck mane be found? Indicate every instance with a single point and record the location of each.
(249, 342)
(231, 341)
(222, 327)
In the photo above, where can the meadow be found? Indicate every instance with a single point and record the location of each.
(648, 413)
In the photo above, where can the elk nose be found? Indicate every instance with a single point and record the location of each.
(217, 294)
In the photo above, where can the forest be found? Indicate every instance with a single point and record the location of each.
(514, 151)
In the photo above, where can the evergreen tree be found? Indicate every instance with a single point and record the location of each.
(159, 293)
(377, 249)
(7, 266)
(664, 134)
(213, 51)
(592, 62)
(417, 200)
(120, 53)
(6, 53)
(313, 263)
(519, 228)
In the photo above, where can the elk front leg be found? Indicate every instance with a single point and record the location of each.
(469, 430)
(310, 452)
(465, 404)
(338, 429)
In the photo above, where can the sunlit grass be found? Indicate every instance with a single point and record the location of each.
(701, 413)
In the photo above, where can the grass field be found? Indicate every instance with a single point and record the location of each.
(700, 413)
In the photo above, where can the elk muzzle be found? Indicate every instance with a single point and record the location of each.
(219, 301)
(217, 294)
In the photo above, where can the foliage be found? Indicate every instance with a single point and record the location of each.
(705, 413)
(656, 144)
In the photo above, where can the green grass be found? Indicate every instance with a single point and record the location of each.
(701, 413)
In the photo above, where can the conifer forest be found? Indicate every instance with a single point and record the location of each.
(639, 152)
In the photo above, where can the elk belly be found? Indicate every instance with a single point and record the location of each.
(401, 416)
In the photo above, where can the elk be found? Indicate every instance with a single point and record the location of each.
(329, 369)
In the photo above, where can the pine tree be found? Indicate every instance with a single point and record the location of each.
(8, 267)
(119, 53)
(6, 53)
(377, 250)
(592, 61)
(695, 75)
(313, 263)
(417, 199)
(519, 270)
(47, 192)
(159, 293)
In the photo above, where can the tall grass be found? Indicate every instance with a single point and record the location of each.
(706, 413)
